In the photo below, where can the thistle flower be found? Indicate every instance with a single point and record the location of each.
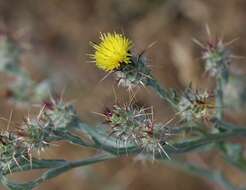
(52, 120)
(155, 137)
(217, 58)
(125, 122)
(194, 104)
(216, 55)
(135, 125)
(112, 52)
(35, 134)
(135, 74)
(12, 149)
(60, 115)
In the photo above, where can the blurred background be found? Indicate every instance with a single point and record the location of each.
(55, 35)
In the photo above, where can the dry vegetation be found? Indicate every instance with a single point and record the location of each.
(56, 32)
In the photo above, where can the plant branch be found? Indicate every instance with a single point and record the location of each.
(219, 98)
(55, 171)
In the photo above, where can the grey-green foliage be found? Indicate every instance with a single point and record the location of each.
(22, 89)
(58, 121)
(98, 139)
(9, 56)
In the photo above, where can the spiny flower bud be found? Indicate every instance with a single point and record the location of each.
(60, 115)
(194, 104)
(12, 149)
(134, 74)
(217, 58)
(135, 125)
(126, 122)
(155, 137)
(51, 120)
(216, 55)
(36, 134)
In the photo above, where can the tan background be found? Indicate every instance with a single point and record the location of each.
(58, 32)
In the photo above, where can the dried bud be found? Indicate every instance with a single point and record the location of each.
(194, 104)
(217, 58)
(36, 134)
(61, 115)
(12, 149)
(135, 125)
(126, 122)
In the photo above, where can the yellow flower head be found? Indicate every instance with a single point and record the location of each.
(112, 51)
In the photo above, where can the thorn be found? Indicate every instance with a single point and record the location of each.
(197, 42)
(9, 121)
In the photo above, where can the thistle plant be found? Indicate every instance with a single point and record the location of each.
(130, 129)
(217, 58)
(21, 89)
(136, 126)
(114, 54)
(195, 105)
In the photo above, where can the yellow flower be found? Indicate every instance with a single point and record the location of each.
(112, 51)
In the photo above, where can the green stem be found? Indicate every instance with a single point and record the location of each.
(109, 144)
(33, 164)
(219, 98)
(57, 167)
(54, 172)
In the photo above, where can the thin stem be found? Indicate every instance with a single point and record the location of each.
(108, 144)
(55, 171)
(219, 98)
(60, 166)
(71, 165)
(35, 164)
